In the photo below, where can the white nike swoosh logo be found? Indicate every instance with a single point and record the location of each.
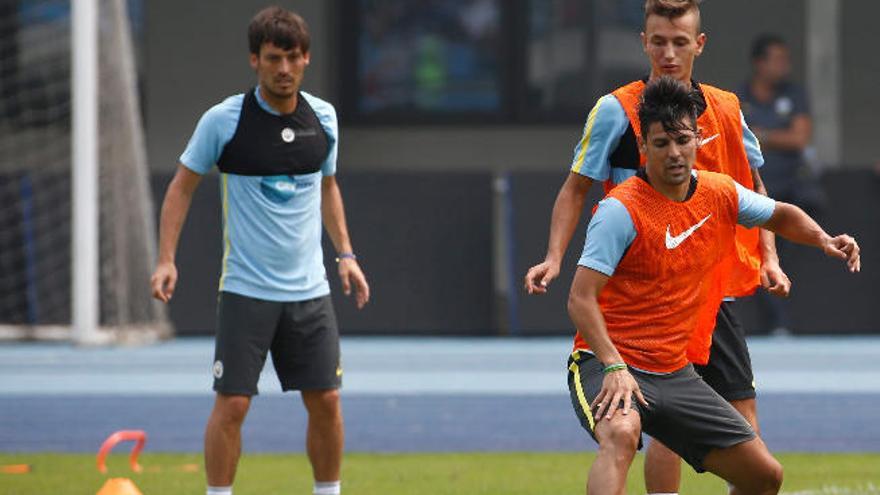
(709, 140)
(674, 242)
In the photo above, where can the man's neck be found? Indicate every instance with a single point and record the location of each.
(686, 80)
(281, 105)
(677, 193)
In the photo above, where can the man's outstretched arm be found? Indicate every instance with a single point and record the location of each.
(792, 223)
(563, 222)
(605, 125)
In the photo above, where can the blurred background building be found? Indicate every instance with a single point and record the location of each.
(458, 120)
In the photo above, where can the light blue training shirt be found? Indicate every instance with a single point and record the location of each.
(271, 224)
(611, 230)
(606, 124)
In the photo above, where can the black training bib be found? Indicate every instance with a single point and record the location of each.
(267, 144)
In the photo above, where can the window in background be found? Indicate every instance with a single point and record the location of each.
(434, 57)
(559, 68)
(619, 51)
(507, 61)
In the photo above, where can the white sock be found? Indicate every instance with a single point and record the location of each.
(219, 490)
(327, 488)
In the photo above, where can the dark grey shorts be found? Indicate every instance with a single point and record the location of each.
(302, 336)
(729, 370)
(684, 414)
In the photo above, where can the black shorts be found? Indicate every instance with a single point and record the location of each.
(729, 370)
(302, 336)
(684, 413)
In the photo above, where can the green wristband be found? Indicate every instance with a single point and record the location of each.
(611, 368)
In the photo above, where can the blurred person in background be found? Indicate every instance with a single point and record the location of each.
(276, 149)
(777, 111)
(608, 152)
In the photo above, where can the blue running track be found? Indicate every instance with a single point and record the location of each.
(408, 395)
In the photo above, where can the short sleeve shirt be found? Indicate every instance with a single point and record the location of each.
(611, 230)
(608, 132)
(271, 224)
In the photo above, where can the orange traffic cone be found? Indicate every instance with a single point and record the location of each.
(119, 486)
(15, 469)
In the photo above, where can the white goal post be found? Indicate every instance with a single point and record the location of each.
(77, 229)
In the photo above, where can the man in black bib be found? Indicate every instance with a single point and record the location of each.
(276, 150)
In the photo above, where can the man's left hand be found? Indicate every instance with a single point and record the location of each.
(774, 279)
(350, 274)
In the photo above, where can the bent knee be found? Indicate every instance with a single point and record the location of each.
(767, 478)
(772, 477)
(623, 435)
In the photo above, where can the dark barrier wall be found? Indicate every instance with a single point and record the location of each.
(193, 307)
(533, 195)
(425, 241)
(825, 298)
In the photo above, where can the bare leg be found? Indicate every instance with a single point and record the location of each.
(748, 467)
(662, 469)
(325, 436)
(223, 438)
(618, 441)
(749, 409)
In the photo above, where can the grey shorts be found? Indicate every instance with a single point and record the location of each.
(684, 413)
(302, 336)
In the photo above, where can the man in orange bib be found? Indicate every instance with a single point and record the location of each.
(647, 274)
(608, 152)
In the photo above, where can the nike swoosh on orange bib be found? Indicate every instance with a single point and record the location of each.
(674, 242)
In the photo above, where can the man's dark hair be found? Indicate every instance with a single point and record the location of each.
(283, 28)
(670, 102)
(671, 9)
(761, 45)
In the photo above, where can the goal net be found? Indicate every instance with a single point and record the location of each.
(35, 178)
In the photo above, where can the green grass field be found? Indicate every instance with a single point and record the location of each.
(423, 474)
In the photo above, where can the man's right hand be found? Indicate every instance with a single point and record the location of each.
(566, 213)
(774, 279)
(163, 281)
(539, 277)
(617, 386)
